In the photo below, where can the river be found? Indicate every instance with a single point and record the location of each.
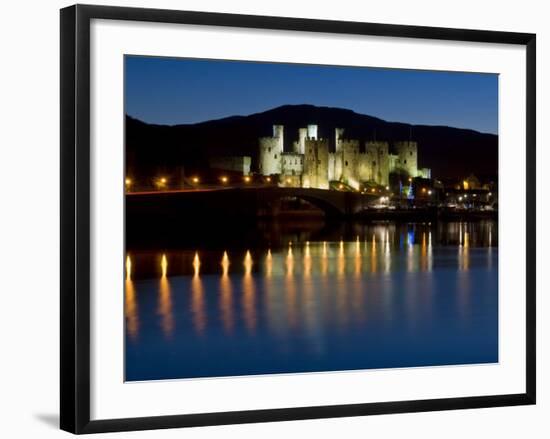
(289, 298)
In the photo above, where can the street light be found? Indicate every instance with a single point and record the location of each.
(341, 186)
(429, 192)
(128, 181)
(268, 179)
(161, 182)
(247, 179)
(223, 179)
(195, 179)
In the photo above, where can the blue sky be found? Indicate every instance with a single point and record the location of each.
(178, 90)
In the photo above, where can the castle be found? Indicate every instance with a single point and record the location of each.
(312, 165)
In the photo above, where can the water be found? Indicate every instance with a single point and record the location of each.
(319, 298)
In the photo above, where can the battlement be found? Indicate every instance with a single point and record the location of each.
(373, 146)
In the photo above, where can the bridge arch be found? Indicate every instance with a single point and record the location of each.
(326, 206)
(333, 203)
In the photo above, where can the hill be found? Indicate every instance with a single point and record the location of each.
(449, 152)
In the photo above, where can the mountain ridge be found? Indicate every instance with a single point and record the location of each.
(304, 106)
(450, 152)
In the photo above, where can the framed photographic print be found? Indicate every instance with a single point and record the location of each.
(268, 218)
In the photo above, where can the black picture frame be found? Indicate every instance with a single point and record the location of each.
(75, 217)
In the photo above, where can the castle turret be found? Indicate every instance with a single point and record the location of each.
(312, 132)
(278, 133)
(299, 146)
(338, 135)
(302, 135)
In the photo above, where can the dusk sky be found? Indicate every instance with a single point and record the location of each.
(180, 91)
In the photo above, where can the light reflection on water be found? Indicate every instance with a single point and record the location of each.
(165, 309)
(396, 296)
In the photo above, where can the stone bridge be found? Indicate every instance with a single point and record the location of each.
(251, 201)
(332, 202)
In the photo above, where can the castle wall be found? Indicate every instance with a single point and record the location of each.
(383, 176)
(392, 159)
(292, 163)
(232, 163)
(291, 181)
(316, 164)
(335, 166)
(331, 166)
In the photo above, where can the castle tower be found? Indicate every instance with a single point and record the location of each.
(271, 151)
(336, 159)
(316, 160)
(376, 166)
(312, 132)
(278, 133)
(349, 156)
(301, 145)
(381, 173)
(407, 157)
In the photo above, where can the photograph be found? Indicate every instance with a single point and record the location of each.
(296, 218)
